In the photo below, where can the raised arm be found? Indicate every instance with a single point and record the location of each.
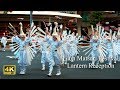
(16, 39)
(28, 40)
(48, 40)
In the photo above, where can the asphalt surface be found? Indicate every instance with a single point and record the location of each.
(34, 71)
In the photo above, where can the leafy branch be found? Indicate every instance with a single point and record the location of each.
(95, 17)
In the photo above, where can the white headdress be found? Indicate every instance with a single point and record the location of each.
(70, 37)
(114, 35)
(77, 34)
(21, 29)
(118, 31)
(29, 50)
(61, 26)
(55, 23)
(56, 26)
(109, 36)
(95, 37)
(55, 31)
(64, 33)
(69, 32)
(73, 33)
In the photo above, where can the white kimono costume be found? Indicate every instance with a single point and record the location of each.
(109, 51)
(102, 50)
(72, 47)
(54, 56)
(4, 42)
(34, 42)
(94, 52)
(22, 55)
(65, 52)
(45, 53)
(115, 50)
(118, 44)
(76, 41)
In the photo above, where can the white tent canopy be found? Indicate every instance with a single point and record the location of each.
(56, 13)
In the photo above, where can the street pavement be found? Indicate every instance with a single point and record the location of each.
(34, 70)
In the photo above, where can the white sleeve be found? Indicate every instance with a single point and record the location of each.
(16, 39)
(2, 40)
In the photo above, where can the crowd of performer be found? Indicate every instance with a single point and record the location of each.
(105, 46)
(57, 47)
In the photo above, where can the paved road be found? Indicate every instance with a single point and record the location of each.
(34, 71)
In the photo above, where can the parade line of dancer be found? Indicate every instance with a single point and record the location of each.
(58, 46)
(55, 47)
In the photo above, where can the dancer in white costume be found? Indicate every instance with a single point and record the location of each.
(4, 42)
(102, 47)
(22, 48)
(45, 54)
(55, 43)
(34, 41)
(76, 42)
(65, 52)
(22, 55)
(95, 53)
(109, 49)
(115, 47)
(72, 45)
(118, 43)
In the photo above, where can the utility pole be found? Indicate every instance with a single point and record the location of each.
(31, 19)
(79, 22)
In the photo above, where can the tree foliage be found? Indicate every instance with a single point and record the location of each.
(85, 16)
(95, 17)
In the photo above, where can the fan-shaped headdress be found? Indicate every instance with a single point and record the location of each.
(21, 30)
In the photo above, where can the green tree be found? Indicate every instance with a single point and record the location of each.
(95, 17)
(85, 16)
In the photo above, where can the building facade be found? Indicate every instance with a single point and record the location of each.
(14, 17)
